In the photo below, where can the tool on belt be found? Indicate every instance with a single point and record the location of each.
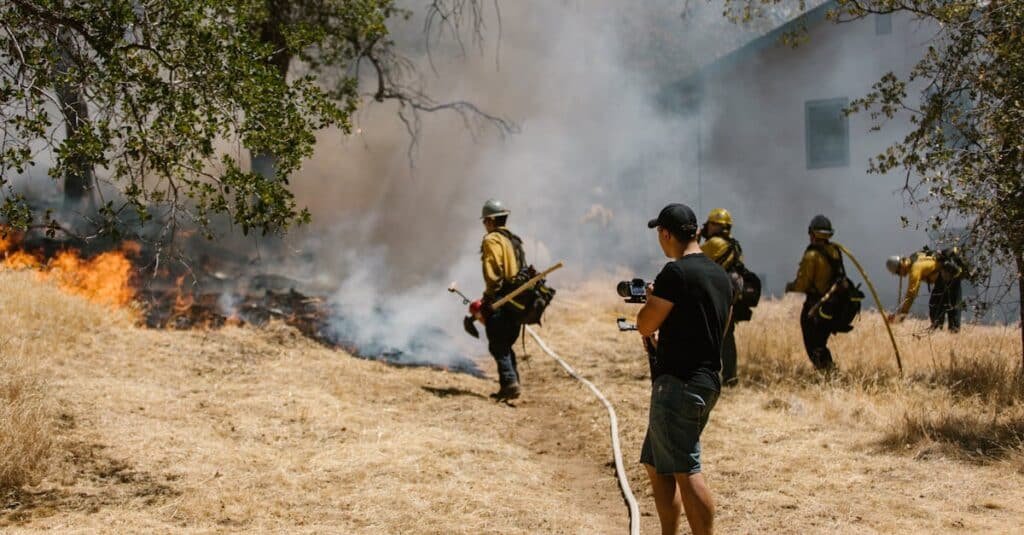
(476, 308)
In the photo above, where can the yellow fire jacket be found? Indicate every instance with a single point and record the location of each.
(924, 268)
(499, 262)
(815, 273)
(718, 249)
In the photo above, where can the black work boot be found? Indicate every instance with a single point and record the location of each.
(509, 391)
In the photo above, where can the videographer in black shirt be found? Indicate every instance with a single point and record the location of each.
(685, 316)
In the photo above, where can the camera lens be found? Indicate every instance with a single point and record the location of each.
(624, 289)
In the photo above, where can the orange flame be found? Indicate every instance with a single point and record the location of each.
(10, 239)
(21, 260)
(13, 257)
(183, 299)
(105, 278)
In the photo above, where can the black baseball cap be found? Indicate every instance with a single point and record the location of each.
(676, 218)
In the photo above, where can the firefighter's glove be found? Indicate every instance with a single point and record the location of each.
(480, 309)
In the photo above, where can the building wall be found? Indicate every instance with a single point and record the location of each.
(751, 154)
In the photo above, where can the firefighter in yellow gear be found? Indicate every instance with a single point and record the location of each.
(926, 266)
(498, 257)
(719, 245)
(501, 255)
(814, 278)
(724, 250)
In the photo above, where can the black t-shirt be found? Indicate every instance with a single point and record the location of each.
(690, 338)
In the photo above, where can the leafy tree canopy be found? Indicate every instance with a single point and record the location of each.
(165, 85)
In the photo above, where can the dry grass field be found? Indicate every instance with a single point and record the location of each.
(862, 451)
(245, 430)
(25, 445)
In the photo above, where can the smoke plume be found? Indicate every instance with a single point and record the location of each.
(597, 156)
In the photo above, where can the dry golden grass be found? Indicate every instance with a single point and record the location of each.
(262, 431)
(964, 392)
(792, 451)
(265, 431)
(26, 431)
(39, 320)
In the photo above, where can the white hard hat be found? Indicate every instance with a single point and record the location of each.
(893, 264)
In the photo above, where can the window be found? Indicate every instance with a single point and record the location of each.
(883, 24)
(827, 132)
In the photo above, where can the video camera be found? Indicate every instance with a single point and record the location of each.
(635, 291)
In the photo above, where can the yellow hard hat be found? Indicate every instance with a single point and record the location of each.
(720, 216)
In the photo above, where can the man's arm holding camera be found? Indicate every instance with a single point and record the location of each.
(653, 313)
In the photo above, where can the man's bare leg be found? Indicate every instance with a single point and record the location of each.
(696, 498)
(667, 500)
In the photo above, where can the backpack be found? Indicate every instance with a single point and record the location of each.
(746, 284)
(951, 262)
(528, 307)
(749, 293)
(838, 308)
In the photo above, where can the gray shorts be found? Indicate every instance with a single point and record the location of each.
(679, 412)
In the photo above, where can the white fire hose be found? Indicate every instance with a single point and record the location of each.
(620, 471)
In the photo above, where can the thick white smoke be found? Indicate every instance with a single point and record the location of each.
(594, 160)
(596, 157)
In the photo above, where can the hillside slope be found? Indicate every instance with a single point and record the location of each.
(261, 430)
(245, 429)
